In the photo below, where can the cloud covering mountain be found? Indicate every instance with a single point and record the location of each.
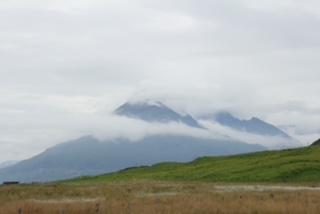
(254, 125)
(160, 135)
(66, 63)
(270, 142)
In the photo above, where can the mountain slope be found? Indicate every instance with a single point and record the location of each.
(316, 143)
(154, 112)
(89, 156)
(254, 125)
(291, 165)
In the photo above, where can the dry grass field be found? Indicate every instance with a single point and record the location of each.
(158, 197)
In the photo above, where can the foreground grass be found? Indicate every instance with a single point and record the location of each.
(286, 166)
(156, 197)
(184, 188)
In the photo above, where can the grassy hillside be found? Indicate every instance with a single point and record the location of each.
(316, 143)
(291, 165)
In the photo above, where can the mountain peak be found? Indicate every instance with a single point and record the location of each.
(154, 111)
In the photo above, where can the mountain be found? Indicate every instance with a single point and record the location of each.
(254, 125)
(154, 112)
(269, 135)
(90, 156)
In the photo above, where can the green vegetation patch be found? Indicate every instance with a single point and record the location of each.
(290, 165)
(316, 143)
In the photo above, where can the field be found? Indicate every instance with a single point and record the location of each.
(277, 182)
(158, 197)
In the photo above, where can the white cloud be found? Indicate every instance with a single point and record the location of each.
(36, 134)
(65, 59)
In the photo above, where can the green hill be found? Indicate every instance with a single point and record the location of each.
(316, 143)
(291, 165)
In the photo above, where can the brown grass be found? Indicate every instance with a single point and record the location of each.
(154, 197)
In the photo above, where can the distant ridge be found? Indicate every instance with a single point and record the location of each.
(253, 130)
(254, 125)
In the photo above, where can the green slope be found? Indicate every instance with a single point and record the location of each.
(291, 165)
(316, 143)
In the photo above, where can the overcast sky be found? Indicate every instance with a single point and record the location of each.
(66, 64)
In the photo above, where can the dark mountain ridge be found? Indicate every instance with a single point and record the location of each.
(254, 125)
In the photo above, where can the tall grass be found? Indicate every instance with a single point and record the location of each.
(152, 197)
